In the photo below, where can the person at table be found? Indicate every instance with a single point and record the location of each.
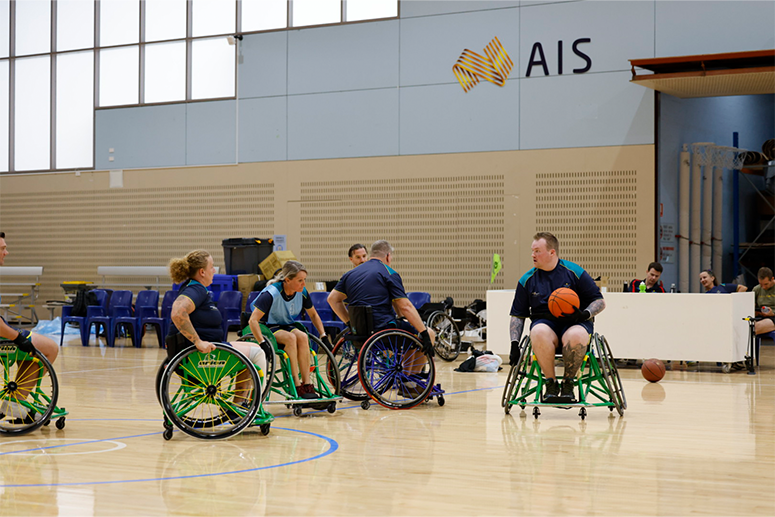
(711, 284)
(653, 284)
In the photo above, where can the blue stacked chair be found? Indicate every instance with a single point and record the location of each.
(230, 306)
(146, 305)
(120, 305)
(320, 302)
(161, 323)
(419, 298)
(91, 311)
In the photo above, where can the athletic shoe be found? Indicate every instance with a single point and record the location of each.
(739, 365)
(552, 391)
(307, 391)
(410, 390)
(17, 413)
(566, 391)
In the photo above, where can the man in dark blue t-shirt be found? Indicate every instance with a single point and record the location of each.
(374, 283)
(549, 334)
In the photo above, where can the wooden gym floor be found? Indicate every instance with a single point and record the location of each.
(697, 443)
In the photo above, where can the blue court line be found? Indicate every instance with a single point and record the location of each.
(333, 446)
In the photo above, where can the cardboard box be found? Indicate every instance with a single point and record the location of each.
(275, 261)
(245, 284)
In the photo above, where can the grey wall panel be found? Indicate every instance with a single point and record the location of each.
(343, 124)
(263, 72)
(262, 130)
(618, 31)
(343, 57)
(586, 110)
(151, 136)
(413, 8)
(688, 28)
(430, 46)
(445, 119)
(211, 133)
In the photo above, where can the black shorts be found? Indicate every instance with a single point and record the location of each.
(559, 328)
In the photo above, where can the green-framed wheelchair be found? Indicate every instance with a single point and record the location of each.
(211, 396)
(28, 392)
(598, 382)
(324, 379)
(388, 366)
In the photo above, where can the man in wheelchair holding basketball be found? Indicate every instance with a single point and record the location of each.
(376, 284)
(569, 330)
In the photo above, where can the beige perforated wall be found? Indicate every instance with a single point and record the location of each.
(445, 215)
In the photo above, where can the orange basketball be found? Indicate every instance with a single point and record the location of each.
(563, 302)
(653, 370)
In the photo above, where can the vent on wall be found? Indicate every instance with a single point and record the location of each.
(71, 233)
(593, 215)
(444, 230)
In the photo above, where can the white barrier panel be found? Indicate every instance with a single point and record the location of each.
(21, 271)
(678, 327)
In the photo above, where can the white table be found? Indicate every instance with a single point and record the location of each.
(677, 327)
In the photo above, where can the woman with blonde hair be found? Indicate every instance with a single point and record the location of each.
(278, 306)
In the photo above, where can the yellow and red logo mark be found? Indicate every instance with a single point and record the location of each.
(495, 66)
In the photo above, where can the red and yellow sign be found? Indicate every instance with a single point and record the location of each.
(495, 66)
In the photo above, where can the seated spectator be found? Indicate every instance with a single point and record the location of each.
(653, 285)
(764, 301)
(711, 284)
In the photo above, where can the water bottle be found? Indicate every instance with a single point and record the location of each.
(642, 287)
(672, 288)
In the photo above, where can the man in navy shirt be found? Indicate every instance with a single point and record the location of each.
(653, 285)
(374, 283)
(547, 333)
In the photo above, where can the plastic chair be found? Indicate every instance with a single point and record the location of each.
(770, 335)
(91, 311)
(120, 305)
(230, 306)
(251, 296)
(146, 304)
(161, 324)
(320, 302)
(419, 298)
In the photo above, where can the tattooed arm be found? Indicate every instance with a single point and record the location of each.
(596, 307)
(182, 307)
(515, 328)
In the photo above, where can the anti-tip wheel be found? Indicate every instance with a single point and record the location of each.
(583, 413)
(331, 407)
(264, 428)
(365, 404)
(296, 411)
(440, 399)
(167, 434)
(507, 408)
(60, 423)
(536, 412)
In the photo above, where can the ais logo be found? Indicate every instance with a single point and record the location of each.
(495, 65)
(211, 363)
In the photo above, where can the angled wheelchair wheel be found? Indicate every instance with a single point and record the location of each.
(610, 374)
(345, 362)
(516, 373)
(210, 396)
(447, 343)
(394, 371)
(28, 390)
(267, 345)
(324, 374)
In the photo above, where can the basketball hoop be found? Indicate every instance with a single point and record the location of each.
(702, 153)
(727, 157)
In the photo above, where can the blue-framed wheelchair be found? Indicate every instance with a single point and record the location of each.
(211, 396)
(598, 382)
(279, 377)
(388, 366)
(28, 392)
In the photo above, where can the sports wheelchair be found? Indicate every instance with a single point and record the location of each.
(211, 396)
(28, 392)
(387, 366)
(280, 379)
(598, 381)
(438, 317)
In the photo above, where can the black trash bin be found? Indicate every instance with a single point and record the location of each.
(242, 255)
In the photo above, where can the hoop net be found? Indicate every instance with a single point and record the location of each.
(702, 153)
(727, 157)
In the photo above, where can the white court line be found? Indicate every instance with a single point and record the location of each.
(103, 369)
(119, 445)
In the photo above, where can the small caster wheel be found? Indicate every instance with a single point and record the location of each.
(536, 412)
(264, 428)
(296, 411)
(168, 425)
(60, 423)
(167, 434)
(507, 409)
(522, 407)
(331, 407)
(365, 404)
(726, 367)
(440, 399)
(583, 413)
(288, 406)
(47, 422)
